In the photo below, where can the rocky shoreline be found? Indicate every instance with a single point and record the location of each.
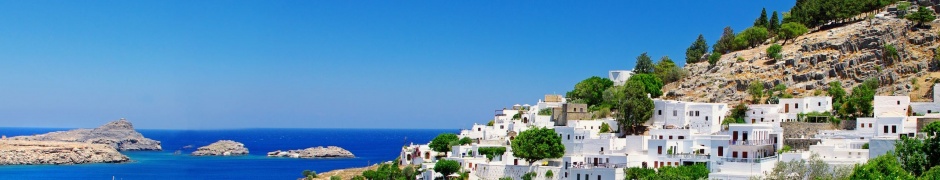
(118, 134)
(314, 152)
(222, 148)
(25, 152)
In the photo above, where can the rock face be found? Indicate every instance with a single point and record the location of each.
(24, 152)
(314, 152)
(851, 54)
(222, 148)
(119, 134)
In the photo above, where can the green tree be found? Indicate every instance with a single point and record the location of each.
(446, 167)
(933, 173)
(756, 89)
(882, 167)
(911, 155)
(921, 16)
(859, 103)
(762, 20)
(725, 43)
(667, 71)
(694, 53)
(791, 30)
(590, 90)
(466, 141)
(652, 84)
(408, 172)
(773, 52)
(644, 65)
(492, 152)
(713, 58)
(639, 173)
(636, 108)
(360, 177)
(754, 36)
(442, 142)
(549, 174)
(604, 128)
(774, 24)
(690, 172)
(537, 144)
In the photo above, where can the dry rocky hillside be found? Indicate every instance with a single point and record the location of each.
(851, 54)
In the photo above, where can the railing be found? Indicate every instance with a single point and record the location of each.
(751, 142)
(749, 160)
(687, 156)
(599, 165)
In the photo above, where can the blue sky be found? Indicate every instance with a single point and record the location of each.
(325, 64)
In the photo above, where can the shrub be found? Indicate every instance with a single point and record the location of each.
(865, 146)
(773, 52)
(713, 58)
(741, 59)
(921, 16)
(549, 174)
(545, 112)
(505, 178)
(491, 123)
(335, 178)
(529, 176)
(491, 152)
(309, 174)
(442, 142)
(791, 30)
(605, 128)
(466, 141)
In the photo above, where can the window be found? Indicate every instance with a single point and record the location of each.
(697, 113)
(706, 118)
(744, 154)
(479, 129)
(681, 137)
(797, 105)
(598, 177)
(886, 129)
(569, 137)
(660, 136)
(660, 112)
(721, 151)
(655, 164)
(899, 102)
(761, 119)
(579, 176)
(820, 103)
(670, 137)
(734, 154)
(894, 129)
(675, 113)
(659, 150)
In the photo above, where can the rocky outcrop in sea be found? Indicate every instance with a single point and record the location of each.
(222, 148)
(314, 152)
(25, 152)
(118, 134)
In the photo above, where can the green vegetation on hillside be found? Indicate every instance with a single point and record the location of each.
(814, 13)
(690, 172)
(695, 51)
(442, 143)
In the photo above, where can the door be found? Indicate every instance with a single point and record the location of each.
(786, 108)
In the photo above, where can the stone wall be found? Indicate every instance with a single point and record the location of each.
(803, 129)
(801, 144)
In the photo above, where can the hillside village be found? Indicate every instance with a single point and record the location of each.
(746, 114)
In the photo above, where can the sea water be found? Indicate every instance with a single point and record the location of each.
(369, 145)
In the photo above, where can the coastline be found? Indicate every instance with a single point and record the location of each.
(346, 173)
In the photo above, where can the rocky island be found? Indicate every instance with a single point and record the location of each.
(118, 134)
(222, 148)
(25, 152)
(314, 152)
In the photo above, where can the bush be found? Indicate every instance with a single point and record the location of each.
(773, 52)
(921, 16)
(605, 128)
(491, 152)
(491, 123)
(529, 176)
(505, 178)
(309, 174)
(713, 58)
(545, 112)
(466, 141)
(791, 30)
(865, 146)
(549, 174)
(335, 178)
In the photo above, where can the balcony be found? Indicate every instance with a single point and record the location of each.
(599, 165)
(688, 156)
(750, 160)
(500, 113)
(752, 142)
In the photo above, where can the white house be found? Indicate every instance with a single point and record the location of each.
(619, 76)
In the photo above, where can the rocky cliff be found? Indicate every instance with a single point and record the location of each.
(119, 134)
(222, 148)
(851, 54)
(24, 152)
(314, 152)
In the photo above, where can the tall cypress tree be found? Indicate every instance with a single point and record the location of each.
(725, 44)
(774, 24)
(762, 20)
(644, 65)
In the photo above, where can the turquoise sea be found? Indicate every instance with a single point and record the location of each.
(369, 145)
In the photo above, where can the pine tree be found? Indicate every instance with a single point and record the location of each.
(644, 65)
(695, 51)
(725, 44)
(762, 20)
(774, 24)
